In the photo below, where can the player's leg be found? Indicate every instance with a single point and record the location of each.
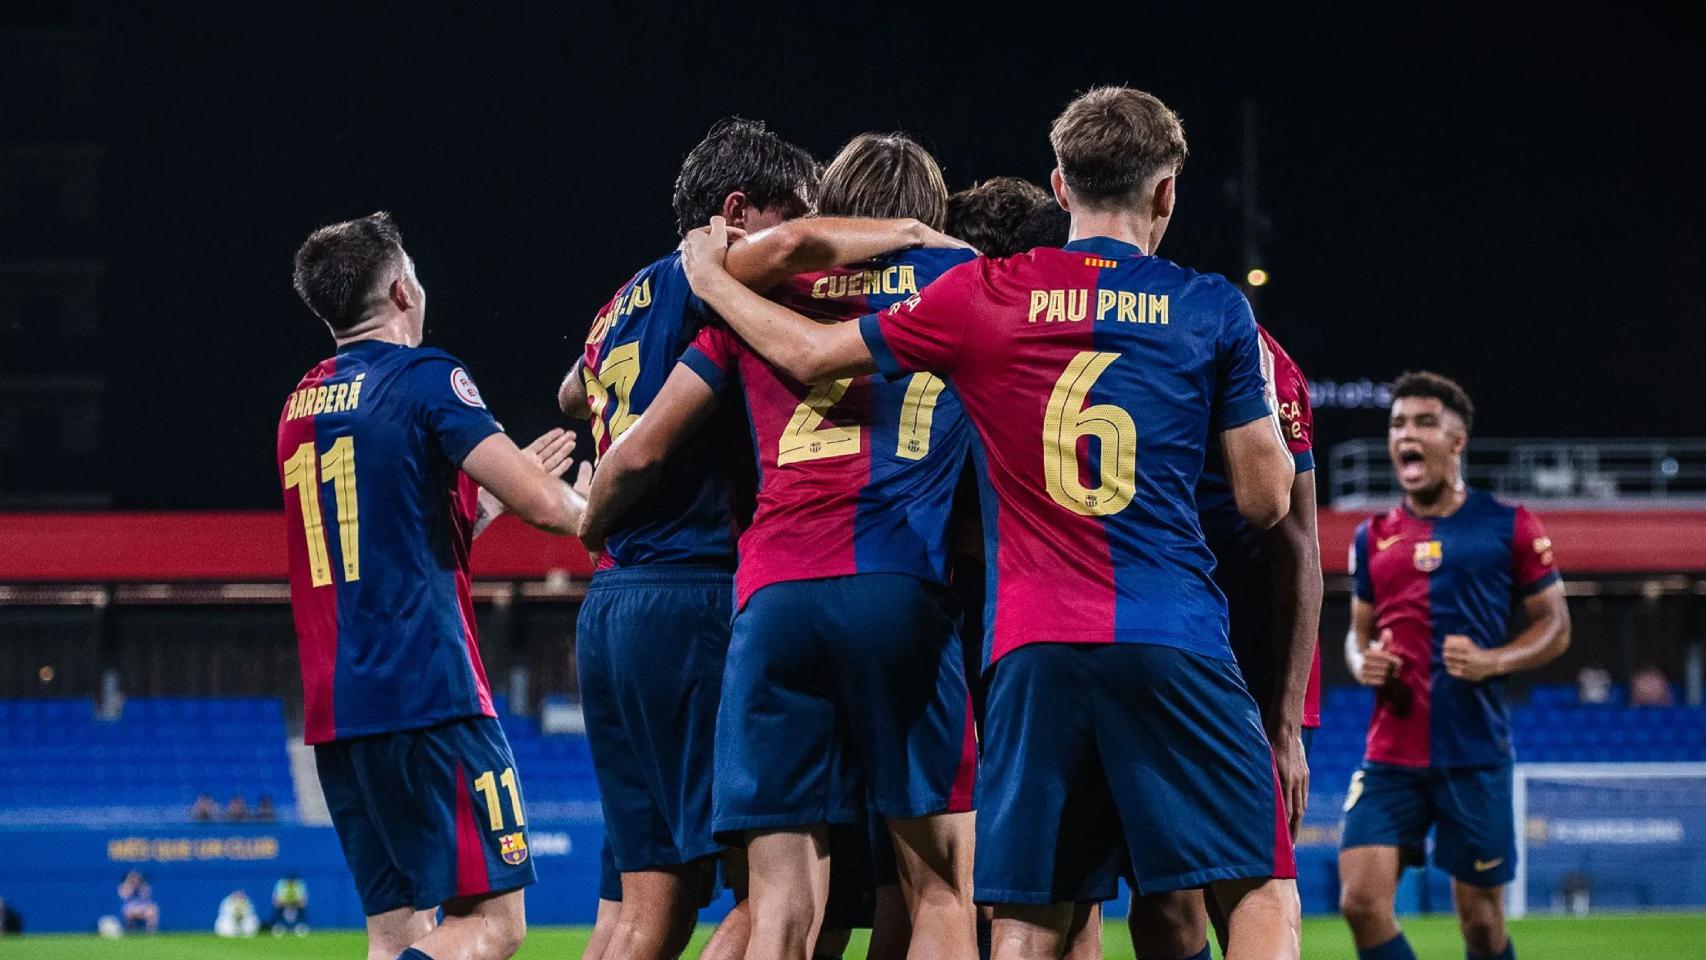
(1084, 938)
(489, 927)
(789, 888)
(778, 767)
(394, 931)
(729, 940)
(393, 922)
(1193, 777)
(1387, 814)
(1048, 835)
(1476, 844)
(1168, 926)
(891, 924)
(901, 678)
(609, 905)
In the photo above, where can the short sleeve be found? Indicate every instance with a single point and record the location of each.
(1533, 568)
(712, 355)
(1364, 584)
(1291, 401)
(925, 331)
(451, 406)
(1241, 391)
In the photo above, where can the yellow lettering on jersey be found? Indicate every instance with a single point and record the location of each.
(1056, 306)
(1077, 305)
(642, 296)
(1128, 306)
(1039, 300)
(818, 286)
(898, 279)
(1157, 308)
(1105, 302)
(290, 405)
(343, 397)
(319, 401)
(355, 392)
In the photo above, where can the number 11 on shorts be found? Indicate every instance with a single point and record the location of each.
(488, 787)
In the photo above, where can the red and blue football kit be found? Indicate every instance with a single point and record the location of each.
(1439, 748)
(379, 521)
(1096, 378)
(1241, 565)
(653, 632)
(843, 618)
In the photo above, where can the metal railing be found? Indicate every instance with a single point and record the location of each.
(1603, 474)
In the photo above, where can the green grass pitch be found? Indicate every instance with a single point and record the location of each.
(1648, 937)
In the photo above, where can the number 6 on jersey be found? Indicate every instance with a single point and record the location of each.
(1067, 420)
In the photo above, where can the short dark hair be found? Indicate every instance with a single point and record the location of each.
(1003, 216)
(338, 266)
(740, 155)
(1426, 383)
(1110, 141)
(884, 175)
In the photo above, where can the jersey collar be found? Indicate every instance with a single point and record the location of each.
(1106, 247)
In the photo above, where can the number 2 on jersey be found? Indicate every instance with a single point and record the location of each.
(1067, 420)
(806, 438)
(336, 467)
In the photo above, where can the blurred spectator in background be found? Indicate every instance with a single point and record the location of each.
(204, 810)
(136, 903)
(236, 916)
(10, 922)
(289, 906)
(1649, 687)
(1593, 685)
(264, 810)
(237, 809)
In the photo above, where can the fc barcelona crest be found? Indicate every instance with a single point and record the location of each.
(1428, 556)
(513, 848)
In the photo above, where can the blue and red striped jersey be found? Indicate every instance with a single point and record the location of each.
(633, 345)
(379, 520)
(1240, 560)
(856, 475)
(1095, 377)
(1429, 578)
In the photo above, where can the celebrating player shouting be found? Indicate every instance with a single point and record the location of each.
(376, 448)
(1095, 376)
(1435, 581)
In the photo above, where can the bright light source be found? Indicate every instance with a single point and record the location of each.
(1256, 277)
(46, 674)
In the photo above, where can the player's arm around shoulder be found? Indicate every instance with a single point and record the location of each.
(764, 259)
(805, 350)
(633, 464)
(571, 393)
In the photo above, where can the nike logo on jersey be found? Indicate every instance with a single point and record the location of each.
(1482, 866)
(1385, 542)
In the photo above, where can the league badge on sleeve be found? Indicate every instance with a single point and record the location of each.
(1429, 556)
(463, 386)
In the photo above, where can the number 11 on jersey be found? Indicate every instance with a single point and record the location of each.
(336, 467)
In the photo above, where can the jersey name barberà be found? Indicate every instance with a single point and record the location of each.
(325, 398)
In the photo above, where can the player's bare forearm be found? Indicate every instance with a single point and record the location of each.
(571, 394)
(523, 486)
(1545, 638)
(619, 482)
(805, 350)
(763, 260)
(1260, 470)
(1293, 548)
(1360, 634)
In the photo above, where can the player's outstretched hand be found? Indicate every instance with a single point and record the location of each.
(703, 251)
(1379, 664)
(939, 240)
(1465, 660)
(553, 450)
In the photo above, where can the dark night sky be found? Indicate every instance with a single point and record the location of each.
(1515, 203)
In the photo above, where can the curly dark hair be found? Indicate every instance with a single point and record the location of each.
(1426, 383)
(1007, 215)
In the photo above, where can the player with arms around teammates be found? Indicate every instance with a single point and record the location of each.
(1117, 720)
(379, 449)
(845, 670)
(1436, 580)
(665, 590)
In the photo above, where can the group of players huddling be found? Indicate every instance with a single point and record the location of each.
(1085, 460)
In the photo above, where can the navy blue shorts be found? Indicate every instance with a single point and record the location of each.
(1124, 759)
(649, 648)
(429, 815)
(1468, 807)
(836, 686)
(609, 878)
(1309, 743)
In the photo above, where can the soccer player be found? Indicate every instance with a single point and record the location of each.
(1116, 716)
(845, 671)
(654, 629)
(1436, 578)
(1007, 215)
(417, 774)
(1272, 582)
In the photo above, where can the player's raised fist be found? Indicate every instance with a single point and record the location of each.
(1379, 664)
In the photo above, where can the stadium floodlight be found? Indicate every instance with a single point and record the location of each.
(1625, 836)
(1256, 277)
